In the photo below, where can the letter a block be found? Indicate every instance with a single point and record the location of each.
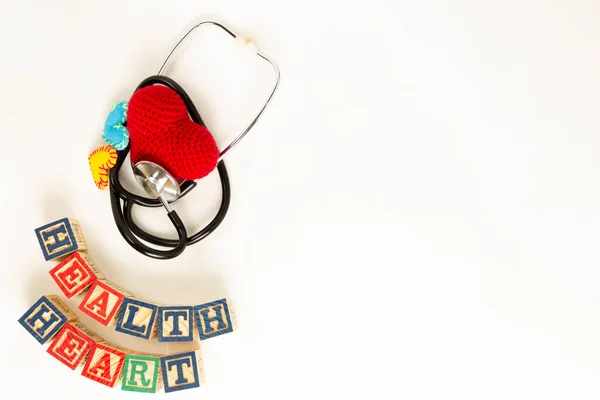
(60, 238)
(182, 371)
(137, 318)
(103, 302)
(45, 318)
(73, 342)
(141, 374)
(105, 364)
(213, 319)
(175, 324)
(75, 274)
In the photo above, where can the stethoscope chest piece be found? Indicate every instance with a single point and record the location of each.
(156, 181)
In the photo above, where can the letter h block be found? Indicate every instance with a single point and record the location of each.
(103, 302)
(75, 274)
(182, 371)
(213, 319)
(45, 318)
(60, 238)
(73, 343)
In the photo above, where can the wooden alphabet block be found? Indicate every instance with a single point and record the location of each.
(103, 302)
(141, 373)
(137, 318)
(60, 238)
(213, 319)
(45, 318)
(176, 324)
(105, 364)
(75, 274)
(73, 343)
(182, 371)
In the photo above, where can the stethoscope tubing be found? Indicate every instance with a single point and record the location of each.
(123, 201)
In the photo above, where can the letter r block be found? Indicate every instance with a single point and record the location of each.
(72, 343)
(182, 371)
(60, 238)
(103, 302)
(105, 364)
(75, 274)
(213, 319)
(141, 374)
(45, 318)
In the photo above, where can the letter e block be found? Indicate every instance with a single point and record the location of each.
(182, 371)
(105, 364)
(141, 374)
(75, 274)
(137, 318)
(175, 324)
(72, 344)
(60, 238)
(103, 302)
(45, 318)
(213, 319)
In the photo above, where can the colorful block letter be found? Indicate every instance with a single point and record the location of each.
(105, 364)
(175, 324)
(213, 319)
(141, 373)
(45, 318)
(72, 343)
(103, 302)
(75, 274)
(60, 238)
(182, 371)
(137, 318)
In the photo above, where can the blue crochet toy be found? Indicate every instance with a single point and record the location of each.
(115, 133)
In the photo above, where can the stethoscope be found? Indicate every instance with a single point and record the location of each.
(161, 187)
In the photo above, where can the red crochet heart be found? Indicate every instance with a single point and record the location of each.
(161, 131)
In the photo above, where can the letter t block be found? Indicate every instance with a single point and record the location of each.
(182, 371)
(176, 324)
(60, 238)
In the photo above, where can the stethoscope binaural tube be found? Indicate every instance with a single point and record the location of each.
(122, 213)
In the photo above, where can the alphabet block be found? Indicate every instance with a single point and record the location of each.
(45, 318)
(175, 324)
(103, 302)
(213, 319)
(60, 238)
(75, 274)
(72, 344)
(182, 371)
(141, 373)
(137, 318)
(105, 364)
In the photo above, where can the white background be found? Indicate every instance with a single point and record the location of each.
(416, 216)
